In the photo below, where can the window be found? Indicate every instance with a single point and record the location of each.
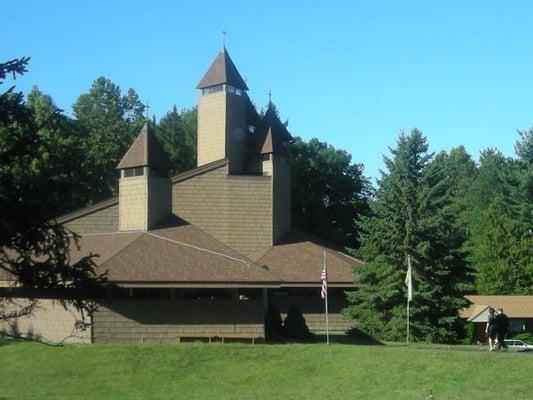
(517, 325)
(213, 89)
(137, 171)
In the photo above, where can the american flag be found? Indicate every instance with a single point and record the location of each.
(324, 278)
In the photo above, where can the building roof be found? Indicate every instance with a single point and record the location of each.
(298, 260)
(176, 252)
(513, 306)
(145, 151)
(222, 71)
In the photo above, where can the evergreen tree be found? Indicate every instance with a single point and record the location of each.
(501, 224)
(329, 192)
(412, 215)
(33, 178)
(176, 132)
(461, 173)
(108, 122)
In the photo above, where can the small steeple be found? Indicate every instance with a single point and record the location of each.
(145, 151)
(222, 71)
(145, 189)
(272, 135)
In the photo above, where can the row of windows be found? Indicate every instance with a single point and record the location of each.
(139, 171)
(220, 88)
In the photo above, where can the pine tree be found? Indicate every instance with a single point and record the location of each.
(412, 215)
(36, 169)
(501, 221)
(177, 133)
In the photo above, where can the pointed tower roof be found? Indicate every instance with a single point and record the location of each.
(222, 71)
(272, 135)
(145, 151)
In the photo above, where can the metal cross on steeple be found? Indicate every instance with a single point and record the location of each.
(224, 33)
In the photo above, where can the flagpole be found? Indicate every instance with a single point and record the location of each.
(326, 299)
(407, 320)
(408, 295)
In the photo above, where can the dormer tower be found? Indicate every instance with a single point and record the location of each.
(222, 118)
(271, 145)
(145, 189)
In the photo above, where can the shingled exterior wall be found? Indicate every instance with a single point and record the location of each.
(101, 221)
(237, 129)
(313, 311)
(211, 127)
(222, 128)
(281, 207)
(133, 203)
(49, 322)
(143, 321)
(235, 209)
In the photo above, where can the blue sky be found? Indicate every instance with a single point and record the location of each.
(350, 73)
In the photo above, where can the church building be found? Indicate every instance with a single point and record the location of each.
(202, 254)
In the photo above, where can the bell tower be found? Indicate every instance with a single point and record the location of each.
(145, 189)
(222, 120)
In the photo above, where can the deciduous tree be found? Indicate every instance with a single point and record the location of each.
(108, 123)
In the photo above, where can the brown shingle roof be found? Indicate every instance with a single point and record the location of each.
(298, 259)
(513, 306)
(176, 252)
(222, 71)
(145, 151)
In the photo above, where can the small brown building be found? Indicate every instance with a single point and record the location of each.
(203, 253)
(519, 309)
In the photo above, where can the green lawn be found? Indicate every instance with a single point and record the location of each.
(238, 371)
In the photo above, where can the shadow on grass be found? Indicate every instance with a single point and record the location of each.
(353, 336)
(6, 340)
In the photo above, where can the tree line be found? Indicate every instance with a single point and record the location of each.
(466, 224)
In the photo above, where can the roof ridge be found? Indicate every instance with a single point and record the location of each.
(210, 235)
(249, 262)
(80, 212)
(482, 309)
(124, 248)
(200, 170)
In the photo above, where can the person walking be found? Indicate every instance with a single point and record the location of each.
(490, 329)
(502, 324)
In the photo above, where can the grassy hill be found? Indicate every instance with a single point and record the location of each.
(236, 371)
